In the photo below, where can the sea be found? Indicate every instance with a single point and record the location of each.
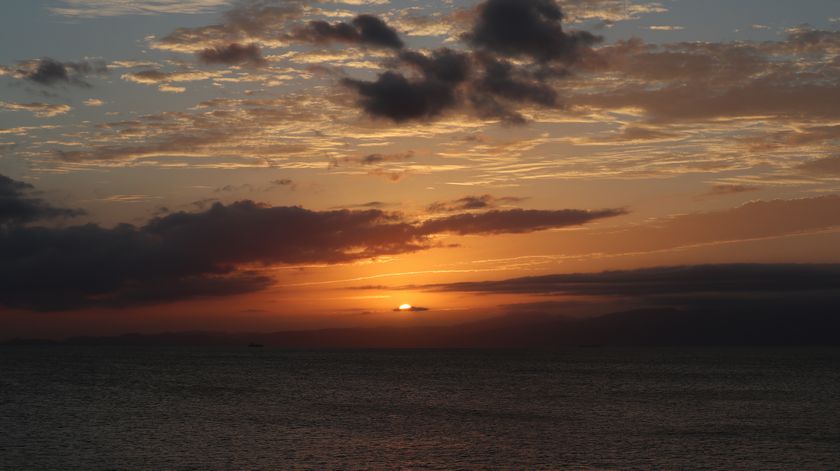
(156, 408)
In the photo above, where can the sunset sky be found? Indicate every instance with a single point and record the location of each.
(170, 165)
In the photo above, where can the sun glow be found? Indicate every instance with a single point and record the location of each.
(405, 307)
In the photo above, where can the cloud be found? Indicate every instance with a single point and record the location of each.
(49, 72)
(828, 166)
(670, 283)
(233, 54)
(468, 203)
(108, 8)
(748, 222)
(610, 11)
(216, 251)
(283, 182)
(447, 79)
(724, 189)
(367, 30)
(529, 28)
(444, 64)
(40, 110)
(19, 205)
(518, 50)
(503, 79)
(514, 221)
(372, 159)
(249, 188)
(247, 22)
(394, 96)
(52, 269)
(666, 28)
(154, 76)
(701, 81)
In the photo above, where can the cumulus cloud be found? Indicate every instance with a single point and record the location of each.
(396, 97)
(183, 255)
(400, 98)
(503, 79)
(367, 30)
(445, 79)
(49, 72)
(233, 54)
(529, 28)
(517, 50)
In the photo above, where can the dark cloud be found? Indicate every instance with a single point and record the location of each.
(501, 79)
(49, 72)
(233, 54)
(529, 28)
(708, 304)
(672, 284)
(514, 221)
(443, 64)
(184, 254)
(18, 205)
(189, 254)
(476, 81)
(366, 30)
(448, 79)
(400, 99)
(472, 202)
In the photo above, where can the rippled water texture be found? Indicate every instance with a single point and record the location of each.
(132, 408)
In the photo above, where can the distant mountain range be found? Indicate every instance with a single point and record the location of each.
(777, 326)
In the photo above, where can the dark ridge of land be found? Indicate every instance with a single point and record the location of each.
(642, 327)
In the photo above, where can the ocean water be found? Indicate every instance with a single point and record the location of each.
(103, 408)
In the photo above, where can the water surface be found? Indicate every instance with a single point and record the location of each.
(206, 408)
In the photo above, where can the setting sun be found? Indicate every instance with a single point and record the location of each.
(405, 307)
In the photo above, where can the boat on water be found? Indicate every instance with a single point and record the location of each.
(255, 345)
